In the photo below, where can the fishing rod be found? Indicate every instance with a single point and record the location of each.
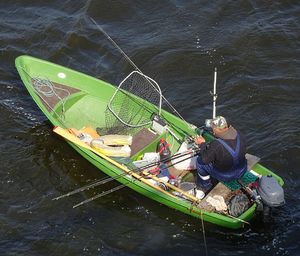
(133, 64)
(100, 28)
(100, 195)
(136, 170)
(125, 184)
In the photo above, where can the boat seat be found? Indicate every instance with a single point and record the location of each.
(246, 179)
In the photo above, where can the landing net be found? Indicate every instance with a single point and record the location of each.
(129, 107)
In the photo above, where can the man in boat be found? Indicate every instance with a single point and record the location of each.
(224, 158)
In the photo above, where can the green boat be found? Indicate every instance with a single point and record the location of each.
(72, 100)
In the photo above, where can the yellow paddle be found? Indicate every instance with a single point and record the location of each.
(72, 138)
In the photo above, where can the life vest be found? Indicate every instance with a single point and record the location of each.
(239, 166)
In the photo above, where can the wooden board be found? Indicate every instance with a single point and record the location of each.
(142, 139)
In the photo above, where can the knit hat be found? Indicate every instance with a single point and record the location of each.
(219, 122)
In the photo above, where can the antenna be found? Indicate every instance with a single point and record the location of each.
(215, 94)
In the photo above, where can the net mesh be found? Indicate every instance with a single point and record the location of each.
(128, 110)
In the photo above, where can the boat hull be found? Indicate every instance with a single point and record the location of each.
(86, 93)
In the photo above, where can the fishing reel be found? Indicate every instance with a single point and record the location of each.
(189, 140)
(208, 123)
(203, 129)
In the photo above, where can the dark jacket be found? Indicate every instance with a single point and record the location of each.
(218, 155)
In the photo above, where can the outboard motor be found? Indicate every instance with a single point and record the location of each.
(269, 194)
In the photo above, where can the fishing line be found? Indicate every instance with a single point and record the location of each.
(115, 44)
(204, 236)
(101, 195)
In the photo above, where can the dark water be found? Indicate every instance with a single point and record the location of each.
(256, 47)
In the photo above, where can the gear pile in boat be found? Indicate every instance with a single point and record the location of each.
(233, 197)
(148, 144)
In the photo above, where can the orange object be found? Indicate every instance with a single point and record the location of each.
(74, 131)
(91, 131)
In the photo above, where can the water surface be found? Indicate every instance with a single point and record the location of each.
(255, 47)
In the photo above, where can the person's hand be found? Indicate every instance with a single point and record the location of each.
(199, 140)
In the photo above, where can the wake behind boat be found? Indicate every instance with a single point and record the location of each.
(126, 133)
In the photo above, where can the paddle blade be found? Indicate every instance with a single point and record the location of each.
(70, 137)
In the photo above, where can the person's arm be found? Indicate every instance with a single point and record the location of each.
(207, 151)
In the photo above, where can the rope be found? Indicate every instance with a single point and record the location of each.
(39, 84)
(203, 232)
